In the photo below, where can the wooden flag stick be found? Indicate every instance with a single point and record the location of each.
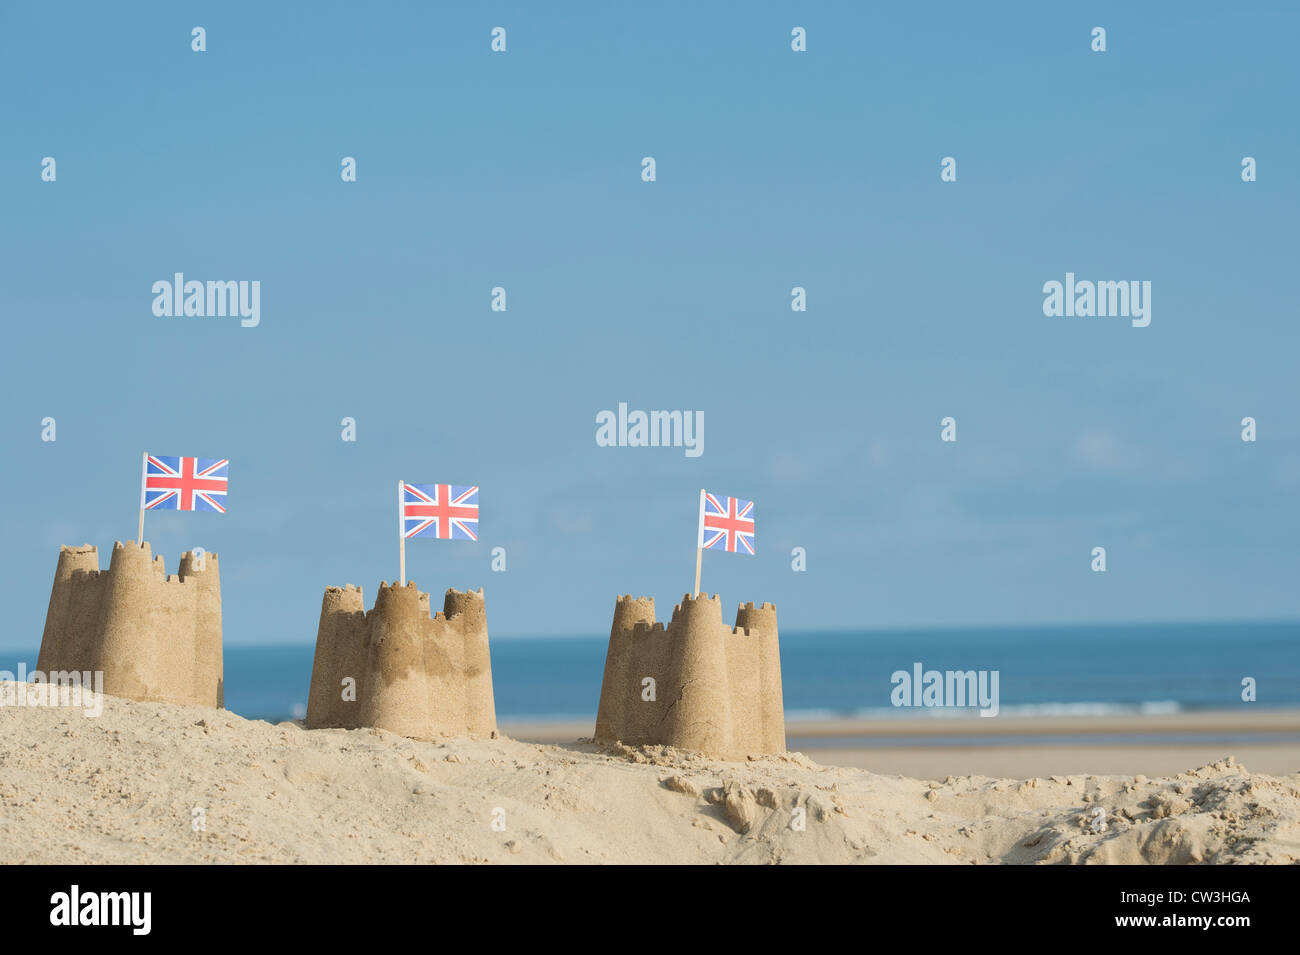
(699, 545)
(144, 471)
(401, 533)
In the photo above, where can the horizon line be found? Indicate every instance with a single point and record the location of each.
(905, 628)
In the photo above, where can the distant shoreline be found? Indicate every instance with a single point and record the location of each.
(1275, 720)
(1021, 747)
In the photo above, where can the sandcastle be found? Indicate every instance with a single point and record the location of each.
(398, 668)
(716, 689)
(153, 636)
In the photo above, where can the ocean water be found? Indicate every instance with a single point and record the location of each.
(1042, 670)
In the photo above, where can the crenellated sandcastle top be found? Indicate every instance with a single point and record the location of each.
(154, 636)
(695, 683)
(398, 667)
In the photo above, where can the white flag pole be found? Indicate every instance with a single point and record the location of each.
(401, 532)
(144, 471)
(699, 545)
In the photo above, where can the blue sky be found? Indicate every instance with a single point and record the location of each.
(775, 169)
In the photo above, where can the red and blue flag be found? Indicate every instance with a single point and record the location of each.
(444, 511)
(726, 523)
(184, 484)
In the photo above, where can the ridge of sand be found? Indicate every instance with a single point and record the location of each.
(123, 787)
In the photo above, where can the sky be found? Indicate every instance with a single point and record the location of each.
(774, 169)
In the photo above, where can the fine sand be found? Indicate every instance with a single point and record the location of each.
(153, 782)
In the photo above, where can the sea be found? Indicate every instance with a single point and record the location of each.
(1042, 671)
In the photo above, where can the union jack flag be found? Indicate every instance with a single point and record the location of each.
(726, 523)
(184, 484)
(444, 511)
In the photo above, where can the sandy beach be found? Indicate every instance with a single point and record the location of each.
(1266, 740)
(151, 782)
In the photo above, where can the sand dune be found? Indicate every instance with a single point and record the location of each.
(125, 787)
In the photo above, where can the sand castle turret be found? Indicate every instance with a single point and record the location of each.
(399, 668)
(154, 637)
(695, 684)
(340, 654)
